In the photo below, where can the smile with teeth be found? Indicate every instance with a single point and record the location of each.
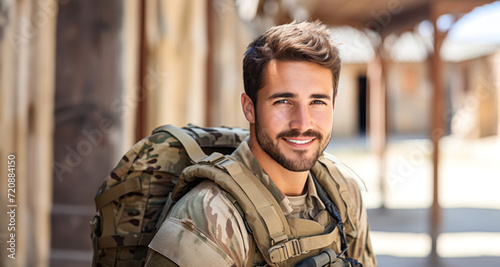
(299, 142)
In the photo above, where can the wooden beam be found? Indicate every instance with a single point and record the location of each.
(457, 6)
(406, 19)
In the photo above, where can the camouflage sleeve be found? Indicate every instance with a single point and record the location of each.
(203, 229)
(360, 248)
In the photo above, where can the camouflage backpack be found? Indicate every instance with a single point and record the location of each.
(131, 200)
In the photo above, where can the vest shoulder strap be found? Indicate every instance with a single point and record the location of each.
(335, 184)
(261, 211)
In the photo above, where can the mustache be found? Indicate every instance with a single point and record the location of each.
(297, 133)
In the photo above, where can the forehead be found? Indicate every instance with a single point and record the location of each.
(300, 76)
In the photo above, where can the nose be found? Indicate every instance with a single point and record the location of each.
(301, 119)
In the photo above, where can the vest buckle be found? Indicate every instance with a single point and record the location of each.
(216, 159)
(286, 250)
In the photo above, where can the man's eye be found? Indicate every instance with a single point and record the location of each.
(319, 102)
(282, 101)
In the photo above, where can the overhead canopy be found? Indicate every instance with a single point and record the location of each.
(379, 15)
(383, 16)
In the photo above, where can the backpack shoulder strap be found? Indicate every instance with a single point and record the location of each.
(193, 150)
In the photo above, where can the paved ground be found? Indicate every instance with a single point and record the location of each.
(469, 197)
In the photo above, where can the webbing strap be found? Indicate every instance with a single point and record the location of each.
(117, 191)
(192, 148)
(108, 220)
(349, 214)
(296, 247)
(107, 197)
(318, 241)
(265, 210)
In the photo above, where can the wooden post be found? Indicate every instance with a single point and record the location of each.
(141, 113)
(96, 61)
(210, 72)
(437, 130)
(378, 114)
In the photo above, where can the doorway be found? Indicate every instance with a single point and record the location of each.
(362, 104)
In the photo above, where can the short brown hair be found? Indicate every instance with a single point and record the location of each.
(297, 41)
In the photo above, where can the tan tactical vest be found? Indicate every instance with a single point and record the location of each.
(281, 241)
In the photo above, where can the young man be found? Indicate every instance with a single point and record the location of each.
(291, 75)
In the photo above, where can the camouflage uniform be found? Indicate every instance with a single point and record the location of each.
(205, 228)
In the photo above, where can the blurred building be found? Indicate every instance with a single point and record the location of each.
(82, 81)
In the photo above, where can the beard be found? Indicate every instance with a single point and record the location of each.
(303, 163)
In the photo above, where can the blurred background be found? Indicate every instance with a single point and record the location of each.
(417, 115)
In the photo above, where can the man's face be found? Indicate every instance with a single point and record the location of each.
(294, 113)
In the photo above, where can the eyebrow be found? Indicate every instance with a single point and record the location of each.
(292, 95)
(321, 96)
(282, 95)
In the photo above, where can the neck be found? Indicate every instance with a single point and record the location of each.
(289, 182)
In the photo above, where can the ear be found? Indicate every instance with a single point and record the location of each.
(248, 108)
